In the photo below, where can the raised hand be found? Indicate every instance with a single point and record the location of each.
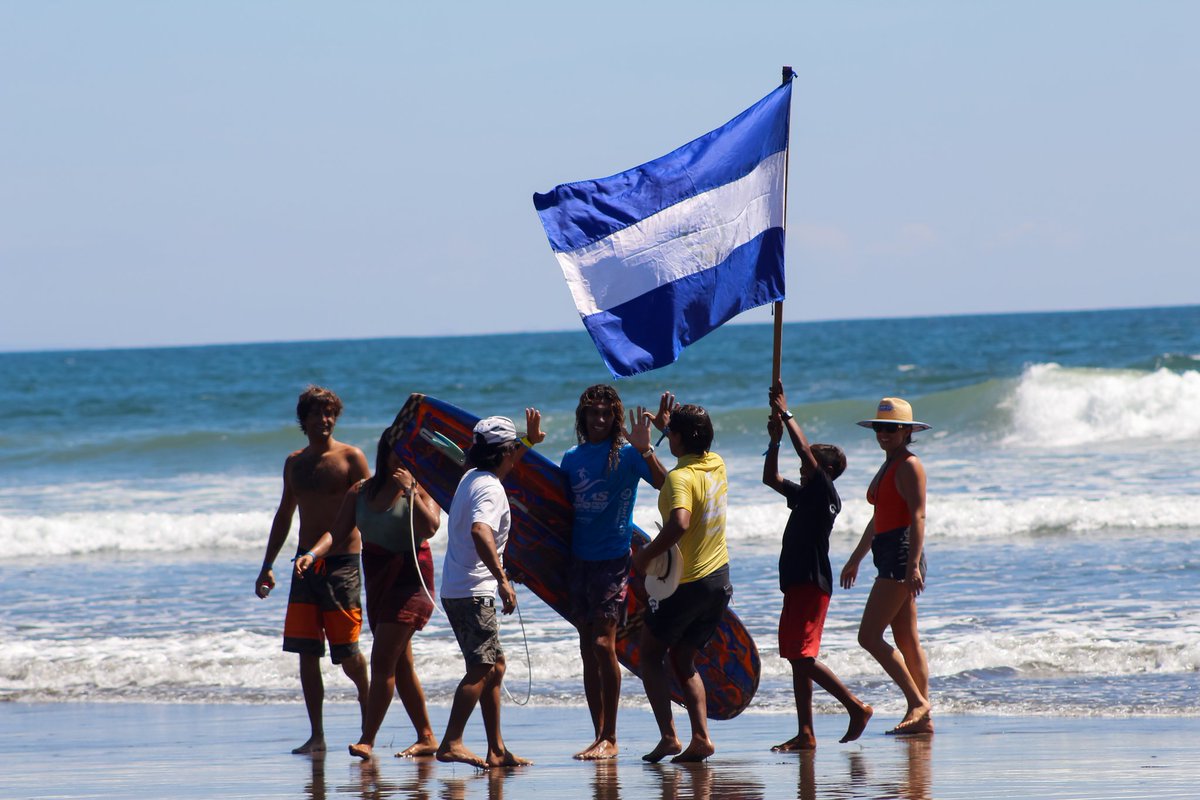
(533, 426)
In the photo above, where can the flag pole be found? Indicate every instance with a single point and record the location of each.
(777, 311)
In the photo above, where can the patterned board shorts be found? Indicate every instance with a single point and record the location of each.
(598, 589)
(325, 603)
(473, 620)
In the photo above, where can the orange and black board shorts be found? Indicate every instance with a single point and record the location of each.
(802, 621)
(325, 604)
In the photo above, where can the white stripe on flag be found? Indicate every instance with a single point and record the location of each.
(684, 239)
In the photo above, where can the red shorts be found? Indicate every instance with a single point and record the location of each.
(802, 621)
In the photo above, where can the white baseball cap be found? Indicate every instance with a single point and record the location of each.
(496, 430)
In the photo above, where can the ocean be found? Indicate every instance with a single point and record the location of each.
(137, 489)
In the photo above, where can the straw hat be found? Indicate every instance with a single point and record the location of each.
(893, 409)
(663, 574)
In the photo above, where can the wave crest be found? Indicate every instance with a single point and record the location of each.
(1057, 406)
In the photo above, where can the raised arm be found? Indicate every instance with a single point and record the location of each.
(795, 433)
(639, 436)
(280, 527)
(770, 475)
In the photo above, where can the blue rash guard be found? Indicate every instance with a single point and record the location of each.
(603, 500)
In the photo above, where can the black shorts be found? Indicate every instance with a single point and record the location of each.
(691, 615)
(889, 551)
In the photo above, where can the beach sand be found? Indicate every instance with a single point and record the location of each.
(92, 750)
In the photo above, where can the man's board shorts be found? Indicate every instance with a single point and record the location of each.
(473, 620)
(889, 551)
(802, 621)
(691, 615)
(325, 603)
(392, 597)
(598, 589)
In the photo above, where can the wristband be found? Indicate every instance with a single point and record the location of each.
(648, 452)
(788, 415)
(525, 441)
(771, 446)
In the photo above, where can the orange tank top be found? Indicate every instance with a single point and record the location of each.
(891, 511)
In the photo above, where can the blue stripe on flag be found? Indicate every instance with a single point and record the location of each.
(650, 331)
(577, 214)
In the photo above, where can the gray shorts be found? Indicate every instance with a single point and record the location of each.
(473, 620)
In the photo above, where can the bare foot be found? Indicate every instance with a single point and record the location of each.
(801, 741)
(665, 747)
(420, 748)
(916, 721)
(598, 750)
(697, 750)
(506, 759)
(361, 750)
(858, 723)
(315, 744)
(459, 755)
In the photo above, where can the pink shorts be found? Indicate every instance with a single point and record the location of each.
(802, 621)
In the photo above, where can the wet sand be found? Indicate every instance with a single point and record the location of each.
(82, 750)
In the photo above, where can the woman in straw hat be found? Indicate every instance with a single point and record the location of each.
(895, 536)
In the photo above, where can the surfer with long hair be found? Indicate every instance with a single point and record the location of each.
(895, 537)
(604, 469)
(395, 518)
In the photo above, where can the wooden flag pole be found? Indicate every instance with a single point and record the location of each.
(777, 311)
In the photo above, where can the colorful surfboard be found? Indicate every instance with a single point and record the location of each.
(430, 436)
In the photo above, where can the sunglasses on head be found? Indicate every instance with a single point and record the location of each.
(886, 427)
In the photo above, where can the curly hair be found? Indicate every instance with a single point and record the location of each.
(317, 396)
(594, 395)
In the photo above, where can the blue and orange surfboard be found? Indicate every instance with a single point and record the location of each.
(428, 434)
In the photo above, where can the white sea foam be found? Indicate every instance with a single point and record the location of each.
(753, 524)
(1060, 407)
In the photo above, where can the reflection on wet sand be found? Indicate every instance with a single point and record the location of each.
(703, 781)
(903, 769)
(909, 778)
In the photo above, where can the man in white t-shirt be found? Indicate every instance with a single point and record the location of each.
(472, 574)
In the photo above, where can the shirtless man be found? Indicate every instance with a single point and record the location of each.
(326, 602)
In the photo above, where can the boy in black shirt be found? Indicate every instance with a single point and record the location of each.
(805, 575)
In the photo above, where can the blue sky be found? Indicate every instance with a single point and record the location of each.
(186, 173)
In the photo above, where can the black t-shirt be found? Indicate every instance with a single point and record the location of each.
(805, 554)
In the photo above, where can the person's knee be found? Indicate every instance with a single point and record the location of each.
(870, 639)
(804, 666)
(683, 663)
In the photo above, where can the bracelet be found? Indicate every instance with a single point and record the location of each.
(773, 445)
(525, 441)
(311, 555)
(648, 452)
(788, 415)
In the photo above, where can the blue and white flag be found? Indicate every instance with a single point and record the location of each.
(660, 255)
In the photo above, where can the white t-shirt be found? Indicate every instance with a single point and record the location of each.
(480, 497)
